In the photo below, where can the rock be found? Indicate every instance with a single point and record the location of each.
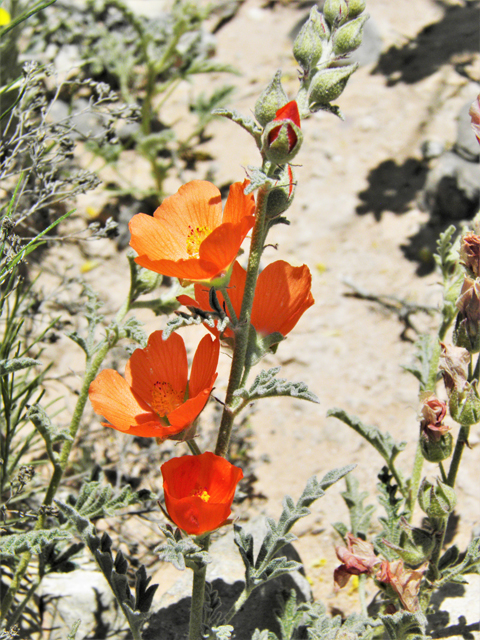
(466, 144)
(456, 610)
(452, 188)
(226, 575)
(85, 594)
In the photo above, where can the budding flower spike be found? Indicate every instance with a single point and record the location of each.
(188, 237)
(156, 399)
(199, 491)
(282, 296)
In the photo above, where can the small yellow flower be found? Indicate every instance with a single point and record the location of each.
(4, 17)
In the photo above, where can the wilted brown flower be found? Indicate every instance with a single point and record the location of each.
(470, 253)
(358, 558)
(433, 413)
(475, 115)
(454, 363)
(405, 582)
(468, 323)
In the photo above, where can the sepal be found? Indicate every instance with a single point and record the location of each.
(327, 85)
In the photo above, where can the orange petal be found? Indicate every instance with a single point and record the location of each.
(282, 296)
(204, 365)
(236, 287)
(197, 203)
(112, 397)
(238, 205)
(147, 430)
(191, 269)
(190, 410)
(160, 361)
(222, 245)
(149, 238)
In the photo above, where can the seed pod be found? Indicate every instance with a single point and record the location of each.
(335, 12)
(436, 450)
(436, 501)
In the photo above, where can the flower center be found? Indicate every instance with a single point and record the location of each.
(195, 238)
(201, 493)
(165, 399)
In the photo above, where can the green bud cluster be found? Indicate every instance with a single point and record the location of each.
(322, 42)
(436, 501)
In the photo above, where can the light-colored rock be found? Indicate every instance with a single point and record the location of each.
(457, 610)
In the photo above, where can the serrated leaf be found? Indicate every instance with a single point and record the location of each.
(382, 442)
(134, 330)
(16, 364)
(449, 558)
(182, 320)
(421, 369)
(32, 541)
(246, 122)
(267, 385)
(402, 623)
(181, 551)
(224, 632)
(257, 179)
(49, 432)
(360, 515)
(78, 339)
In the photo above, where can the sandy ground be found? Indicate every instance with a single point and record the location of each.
(348, 351)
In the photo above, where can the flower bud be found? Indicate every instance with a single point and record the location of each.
(433, 413)
(272, 98)
(335, 12)
(436, 450)
(282, 137)
(436, 502)
(349, 36)
(355, 8)
(465, 405)
(467, 327)
(308, 46)
(470, 253)
(281, 195)
(328, 84)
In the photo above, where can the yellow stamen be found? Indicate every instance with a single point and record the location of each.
(202, 494)
(165, 399)
(195, 238)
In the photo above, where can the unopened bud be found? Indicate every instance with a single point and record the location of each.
(349, 36)
(147, 281)
(328, 84)
(307, 48)
(282, 137)
(281, 195)
(436, 501)
(355, 8)
(270, 100)
(335, 12)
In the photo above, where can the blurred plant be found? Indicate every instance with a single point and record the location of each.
(144, 60)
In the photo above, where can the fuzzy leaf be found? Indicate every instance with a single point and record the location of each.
(403, 623)
(423, 355)
(96, 499)
(223, 632)
(392, 505)
(266, 385)
(134, 330)
(382, 442)
(183, 320)
(181, 551)
(246, 122)
(49, 432)
(257, 178)
(360, 515)
(16, 364)
(447, 257)
(78, 339)
(33, 541)
(269, 564)
(470, 563)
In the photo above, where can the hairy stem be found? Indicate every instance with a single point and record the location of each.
(243, 327)
(462, 440)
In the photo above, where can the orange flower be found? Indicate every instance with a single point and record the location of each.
(199, 491)
(188, 237)
(281, 297)
(156, 399)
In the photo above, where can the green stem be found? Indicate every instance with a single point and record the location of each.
(228, 302)
(243, 327)
(415, 480)
(462, 440)
(194, 448)
(242, 598)
(195, 629)
(362, 578)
